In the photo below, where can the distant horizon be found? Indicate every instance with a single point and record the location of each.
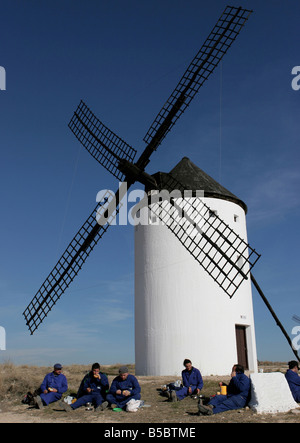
(8, 362)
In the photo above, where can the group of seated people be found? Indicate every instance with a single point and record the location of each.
(238, 391)
(95, 389)
(237, 395)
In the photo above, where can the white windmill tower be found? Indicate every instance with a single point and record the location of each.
(180, 311)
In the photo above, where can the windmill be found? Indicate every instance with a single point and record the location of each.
(219, 243)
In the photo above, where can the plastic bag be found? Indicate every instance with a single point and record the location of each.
(69, 400)
(133, 405)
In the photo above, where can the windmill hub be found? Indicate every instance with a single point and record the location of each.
(134, 173)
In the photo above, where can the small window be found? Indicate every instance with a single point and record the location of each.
(236, 218)
(240, 261)
(152, 219)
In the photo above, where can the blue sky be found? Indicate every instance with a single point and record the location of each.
(123, 58)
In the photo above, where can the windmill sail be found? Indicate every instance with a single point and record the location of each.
(70, 263)
(278, 322)
(103, 144)
(223, 254)
(202, 66)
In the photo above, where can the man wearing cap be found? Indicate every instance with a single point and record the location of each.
(293, 379)
(123, 388)
(52, 388)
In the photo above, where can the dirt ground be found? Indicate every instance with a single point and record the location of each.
(16, 381)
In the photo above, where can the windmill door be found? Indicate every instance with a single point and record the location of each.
(241, 345)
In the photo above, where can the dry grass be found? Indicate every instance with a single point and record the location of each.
(16, 381)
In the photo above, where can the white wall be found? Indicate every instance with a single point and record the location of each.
(180, 312)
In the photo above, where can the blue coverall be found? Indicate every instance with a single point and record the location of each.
(58, 382)
(238, 392)
(293, 380)
(190, 379)
(130, 384)
(97, 394)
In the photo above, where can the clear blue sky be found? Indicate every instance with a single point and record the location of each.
(123, 58)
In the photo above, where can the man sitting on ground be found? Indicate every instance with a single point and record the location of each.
(238, 394)
(293, 379)
(123, 388)
(52, 388)
(93, 388)
(192, 382)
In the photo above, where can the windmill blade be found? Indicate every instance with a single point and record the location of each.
(278, 322)
(71, 261)
(202, 66)
(223, 254)
(103, 144)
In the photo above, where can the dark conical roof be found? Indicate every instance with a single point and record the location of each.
(193, 178)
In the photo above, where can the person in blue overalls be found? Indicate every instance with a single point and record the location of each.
(123, 388)
(52, 387)
(192, 382)
(238, 394)
(293, 379)
(93, 389)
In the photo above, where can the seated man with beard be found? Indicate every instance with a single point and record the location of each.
(238, 394)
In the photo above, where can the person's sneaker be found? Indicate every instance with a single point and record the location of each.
(102, 406)
(173, 396)
(167, 394)
(113, 406)
(65, 406)
(206, 400)
(38, 402)
(205, 410)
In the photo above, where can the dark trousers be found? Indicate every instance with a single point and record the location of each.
(95, 398)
